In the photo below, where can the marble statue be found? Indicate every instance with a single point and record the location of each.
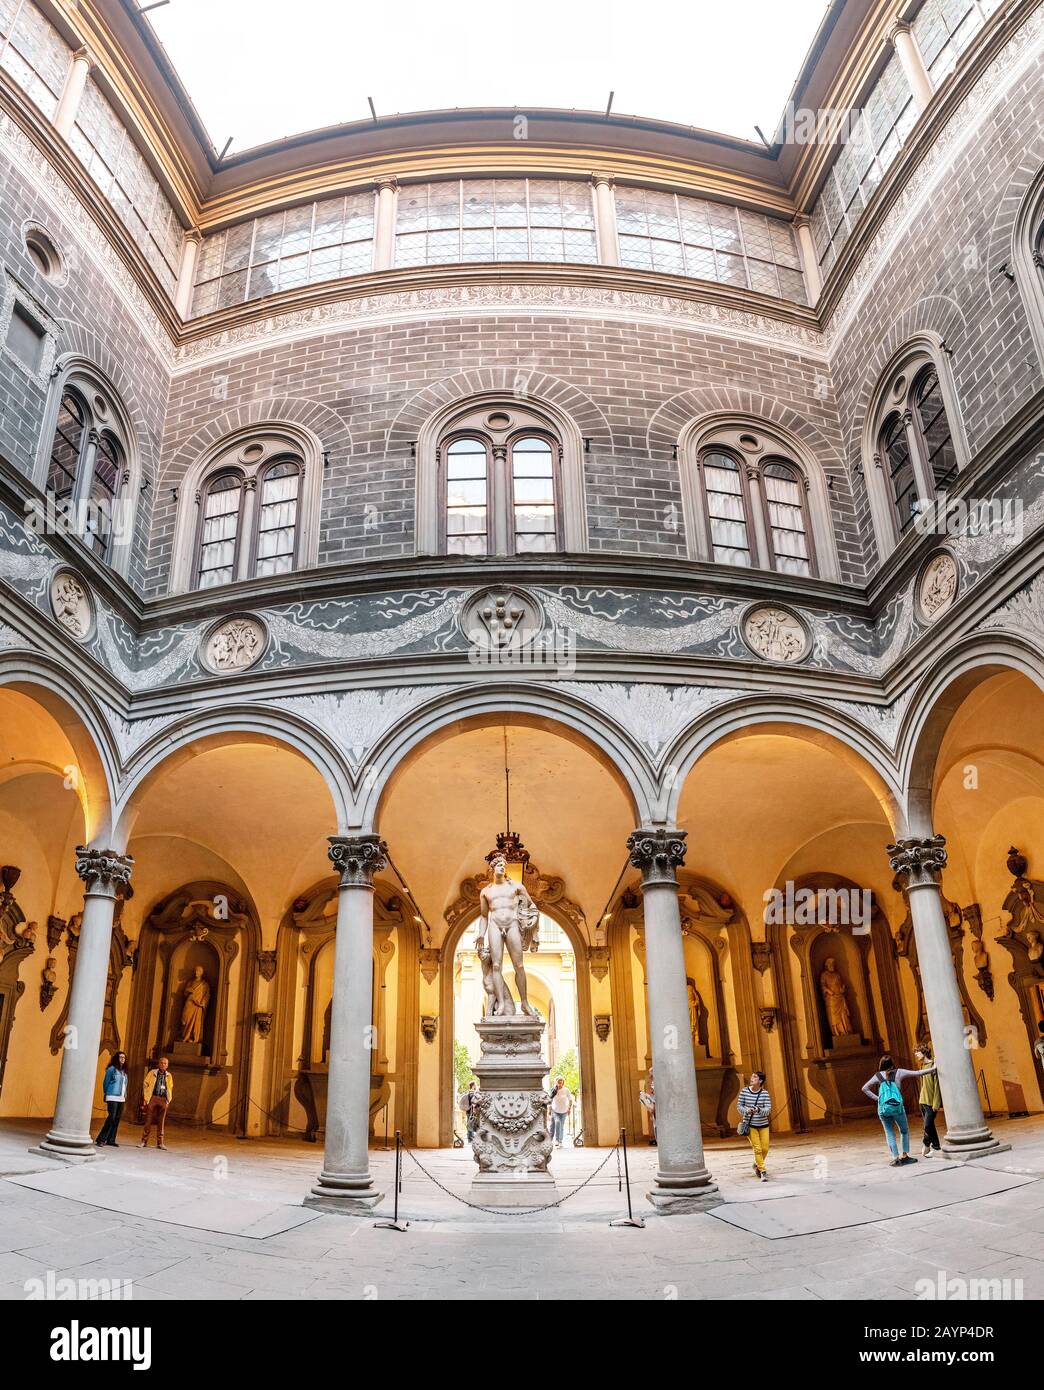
(508, 917)
(834, 990)
(196, 995)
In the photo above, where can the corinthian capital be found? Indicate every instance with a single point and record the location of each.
(103, 870)
(658, 853)
(918, 861)
(357, 858)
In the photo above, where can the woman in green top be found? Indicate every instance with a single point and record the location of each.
(930, 1099)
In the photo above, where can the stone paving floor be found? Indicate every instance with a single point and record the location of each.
(218, 1218)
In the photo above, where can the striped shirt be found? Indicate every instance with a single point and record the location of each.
(758, 1101)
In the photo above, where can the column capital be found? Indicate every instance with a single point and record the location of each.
(898, 26)
(103, 870)
(357, 858)
(603, 180)
(918, 861)
(84, 55)
(801, 221)
(386, 181)
(658, 851)
(195, 236)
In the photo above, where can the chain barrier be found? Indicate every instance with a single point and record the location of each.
(510, 1211)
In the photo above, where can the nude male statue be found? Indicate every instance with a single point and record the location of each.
(508, 917)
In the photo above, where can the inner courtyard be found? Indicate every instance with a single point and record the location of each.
(522, 682)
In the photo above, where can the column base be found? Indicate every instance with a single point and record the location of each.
(979, 1143)
(677, 1193)
(67, 1148)
(347, 1194)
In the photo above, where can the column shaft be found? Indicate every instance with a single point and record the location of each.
(913, 66)
(187, 272)
(69, 1137)
(809, 259)
(384, 229)
(72, 93)
(345, 1181)
(682, 1182)
(919, 863)
(605, 221)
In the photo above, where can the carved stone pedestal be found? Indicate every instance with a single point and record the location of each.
(511, 1145)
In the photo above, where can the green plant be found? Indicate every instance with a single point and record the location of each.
(568, 1068)
(462, 1072)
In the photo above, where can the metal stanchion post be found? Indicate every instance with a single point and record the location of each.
(395, 1224)
(630, 1219)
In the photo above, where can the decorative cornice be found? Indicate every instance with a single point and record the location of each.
(658, 852)
(357, 858)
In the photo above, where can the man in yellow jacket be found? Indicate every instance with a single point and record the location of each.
(159, 1092)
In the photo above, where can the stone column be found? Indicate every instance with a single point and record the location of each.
(384, 227)
(682, 1182)
(345, 1183)
(809, 259)
(905, 45)
(187, 272)
(919, 864)
(104, 873)
(605, 220)
(72, 92)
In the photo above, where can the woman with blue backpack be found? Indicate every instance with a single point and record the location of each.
(891, 1108)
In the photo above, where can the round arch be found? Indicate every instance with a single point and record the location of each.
(63, 698)
(937, 699)
(585, 1039)
(217, 728)
(809, 723)
(536, 707)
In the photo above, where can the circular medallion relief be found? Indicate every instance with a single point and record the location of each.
(775, 634)
(501, 619)
(499, 420)
(72, 604)
(235, 644)
(937, 587)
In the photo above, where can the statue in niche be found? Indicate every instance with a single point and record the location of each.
(834, 990)
(698, 1014)
(1034, 945)
(508, 918)
(196, 997)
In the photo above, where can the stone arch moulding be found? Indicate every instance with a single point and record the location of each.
(1027, 259)
(60, 693)
(572, 415)
(212, 728)
(549, 894)
(810, 723)
(299, 439)
(939, 695)
(918, 347)
(474, 706)
(81, 372)
(777, 440)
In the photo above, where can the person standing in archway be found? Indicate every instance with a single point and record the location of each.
(561, 1104)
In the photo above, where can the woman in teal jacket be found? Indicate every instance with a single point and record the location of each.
(114, 1089)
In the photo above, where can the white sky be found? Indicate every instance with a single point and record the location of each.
(262, 69)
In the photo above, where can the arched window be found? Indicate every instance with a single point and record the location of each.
(786, 507)
(728, 508)
(275, 547)
(895, 447)
(248, 514)
(934, 430)
(220, 520)
(534, 508)
(750, 502)
(916, 439)
(500, 487)
(467, 497)
(1027, 258)
(88, 465)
